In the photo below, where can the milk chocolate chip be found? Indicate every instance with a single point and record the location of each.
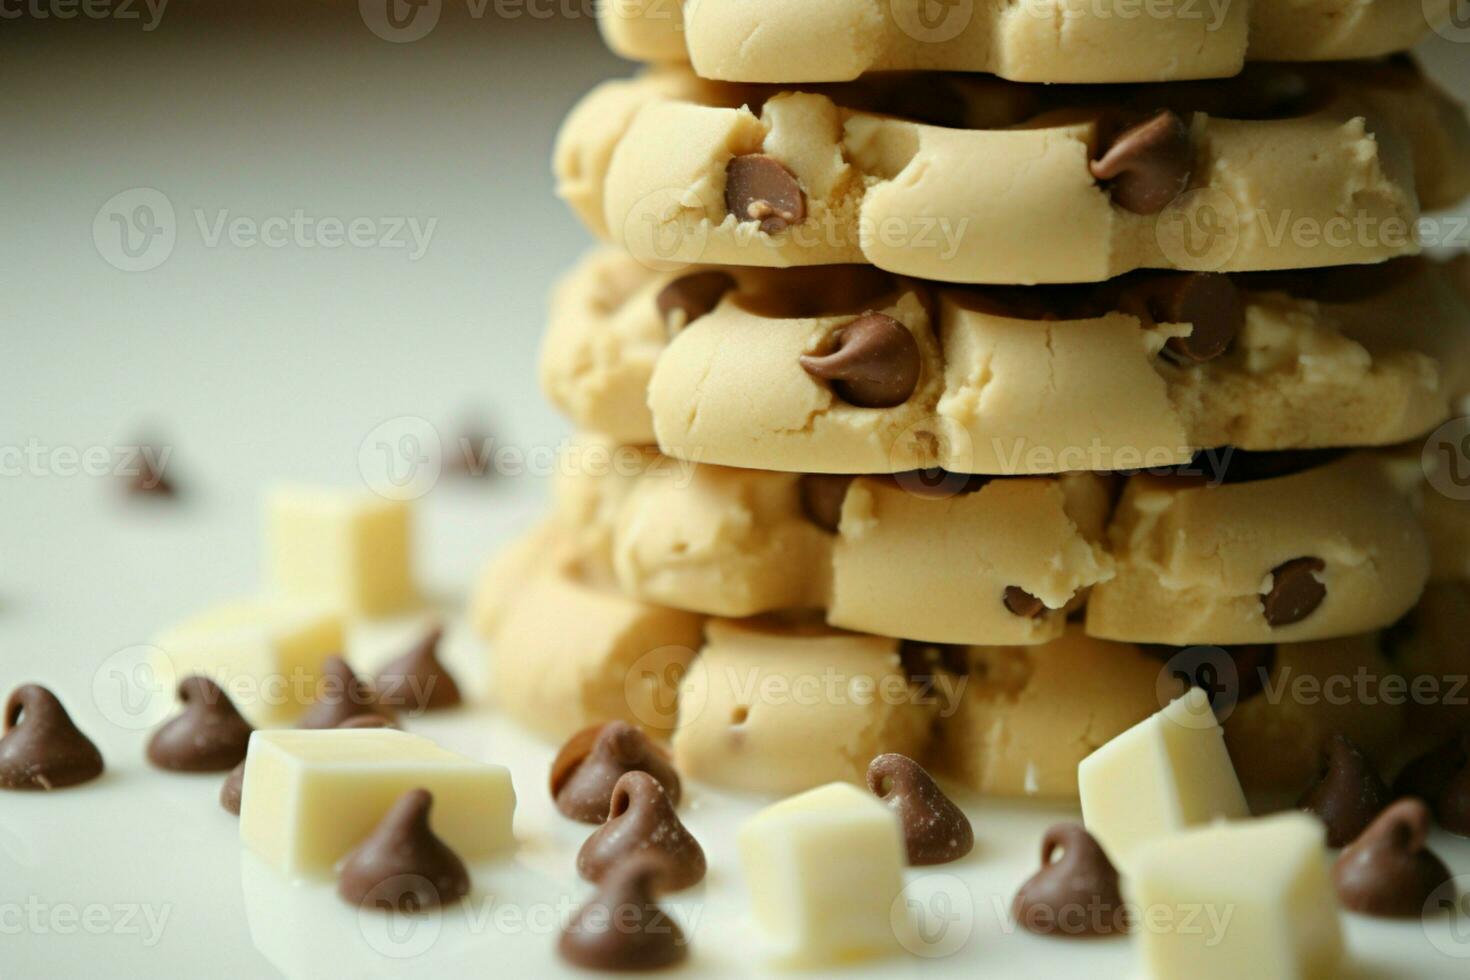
(417, 681)
(1148, 165)
(692, 296)
(402, 865)
(231, 792)
(340, 695)
(935, 831)
(42, 748)
(1022, 603)
(874, 362)
(759, 188)
(1209, 301)
(1074, 895)
(1389, 871)
(1430, 774)
(1349, 793)
(622, 927)
(1295, 591)
(148, 478)
(209, 735)
(592, 761)
(641, 820)
(822, 495)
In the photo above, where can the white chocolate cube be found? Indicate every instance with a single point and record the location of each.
(347, 549)
(824, 869)
(1169, 772)
(1246, 899)
(309, 797)
(267, 656)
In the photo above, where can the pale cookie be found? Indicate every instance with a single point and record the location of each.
(778, 707)
(1010, 381)
(1282, 168)
(1332, 550)
(1030, 41)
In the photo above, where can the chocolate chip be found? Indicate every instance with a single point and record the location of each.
(1074, 895)
(42, 748)
(622, 927)
(367, 721)
(922, 660)
(874, 362)
(402, 865)
(340, 695)
(1429, 775)
(640, 820)
(1389, 871)
(937, 484)
(692, 296)
(1022, 603)
(759, 188)
(935, 831)
(1295, 591)
(148, 478)
(1452, 807)
(589, 765)
(1148, 165)
(417, 681)
(1210, 302)
(231, 792)
(209, 735)
(1349, 793)
(822, 495)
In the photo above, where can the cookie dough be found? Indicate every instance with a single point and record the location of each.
(1241, 180)
(1332, 550)
(1035, 41)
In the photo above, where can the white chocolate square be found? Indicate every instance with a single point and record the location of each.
(1252, 898)
(309, 797)
(266, 655)
(1169, 772)
(347, 549)
(824, 869)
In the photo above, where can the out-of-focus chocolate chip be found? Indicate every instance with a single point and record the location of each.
(340, 695)
(1200, 666)
(592, 761)
(935, 831)
(922, 660)
(1148, 165)
(1429, 775)
(937, 484)
(1389, 870)
(692, 296)
(622, 927)
(1209, 301)
(367, 721)
(417, 681)
(402, 865)
(822, 495)
(874, 362)
(640, 820)
(1452, 808)
(1022, 603)
(148, 478)
(759, 188)
(1349, 793)
(42, 748)
(209, 735)
(1076, 894)
(1295, 591)
(232, 790)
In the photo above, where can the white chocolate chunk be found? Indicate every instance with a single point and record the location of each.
(1168, 772)
(1246, 899)
(265, 655)
(309, 797)
(348, 549)
(824, 869)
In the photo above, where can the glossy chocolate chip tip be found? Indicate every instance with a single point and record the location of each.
(208, 735)
(873, 362)
(760, 188)
(417, 681)
(1147, 166)
(1349, 793)
(1295, 593)
(642, 820)
(1389, 870)
(402, 865)
(1074, 895)
(935, 830)
(622, 928)
(588, 767)
(42, 748)
(340, 696)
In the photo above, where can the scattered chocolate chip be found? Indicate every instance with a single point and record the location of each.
(1022, 603)
(1148, 165)
(209, 735)
(1074, 895)
(640, 820)
(1295, 591)
(693, 296)
(592, 761)
(1209, 301)
(759, 188)
(622, 927)
(874, 362)
(1349, 793)
(417, 681)
(42, 748)
(1429, 775)
(402, 865)
(367, 721)
(340, 695)
(148, 478)
(1452, 808)
(822, 495)
(232, 790)
(935, 831)
(1389, 871)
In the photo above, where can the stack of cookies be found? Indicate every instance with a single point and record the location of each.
(968, 387)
